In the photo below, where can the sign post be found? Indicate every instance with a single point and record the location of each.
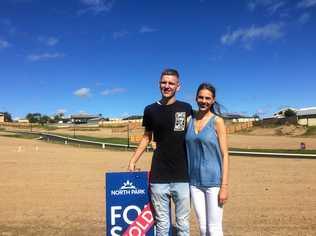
(128, 208)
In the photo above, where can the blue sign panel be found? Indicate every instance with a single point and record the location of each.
(128, 210)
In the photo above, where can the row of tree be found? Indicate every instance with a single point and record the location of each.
(36, 118)
(43, 119)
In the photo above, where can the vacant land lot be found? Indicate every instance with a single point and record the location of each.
(50, 189)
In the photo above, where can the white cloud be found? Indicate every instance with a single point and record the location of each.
(124, 114)
(306, 3)
(304, 18)
(7, 26)
(82, 92)
(252, 5)
(4, 44)
(273, 8)
(271, 5)
(248, 35)
(61, 110)
(45, 56)
(119, 34)
(113, 91)
(49, 41)
(147, 29)
(96, 6)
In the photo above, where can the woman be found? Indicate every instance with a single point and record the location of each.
(206, 143)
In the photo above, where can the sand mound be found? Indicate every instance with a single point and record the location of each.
(283, 130)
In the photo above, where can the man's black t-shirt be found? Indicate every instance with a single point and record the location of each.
(168, 124)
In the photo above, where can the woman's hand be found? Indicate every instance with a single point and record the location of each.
(223, 195)
(131, 166)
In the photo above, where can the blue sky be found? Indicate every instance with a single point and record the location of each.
(103, 56)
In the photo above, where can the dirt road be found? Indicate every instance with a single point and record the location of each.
(50, 189)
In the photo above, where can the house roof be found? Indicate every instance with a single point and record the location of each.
(83, 116)
(306, 111)
(97, 119)
(234, 116)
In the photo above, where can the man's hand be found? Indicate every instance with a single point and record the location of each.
(146, 139)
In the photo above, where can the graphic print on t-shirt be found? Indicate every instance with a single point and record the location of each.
(179, 121)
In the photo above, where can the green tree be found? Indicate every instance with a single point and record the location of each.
(289, 113)
(59, 117)
(44, 119)
(34, 117)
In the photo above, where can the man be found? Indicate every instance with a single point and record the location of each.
(165, 120)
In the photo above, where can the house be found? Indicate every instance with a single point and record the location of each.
(302, 116)
(64, 120)
(1, 117)
(306, 116)
(96, 121)
(238, 118)
(82, 118)
(281, 112)
(23, 121)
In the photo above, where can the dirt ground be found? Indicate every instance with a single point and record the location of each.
(270, 142)
(51, 189)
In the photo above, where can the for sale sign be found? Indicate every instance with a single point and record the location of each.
(128, 209)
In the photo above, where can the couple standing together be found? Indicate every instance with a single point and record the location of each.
(190, 160)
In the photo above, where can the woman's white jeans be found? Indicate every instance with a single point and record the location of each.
(209, 213)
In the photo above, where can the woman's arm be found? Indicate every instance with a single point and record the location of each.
(222, 139)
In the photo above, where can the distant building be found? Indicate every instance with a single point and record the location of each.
(238, 118)
(96, 121)
(82, 118)
(22, 121)
(133, 117)
(64, 120)
(306, 116)
(1, 117)
(281, 112)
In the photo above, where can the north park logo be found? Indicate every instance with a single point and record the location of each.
(128, 185)
(128, 188)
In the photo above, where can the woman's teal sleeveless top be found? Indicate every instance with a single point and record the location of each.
(204, 155)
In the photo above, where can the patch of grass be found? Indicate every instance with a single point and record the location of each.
(104, 140)
(311, 130)
(84, 129)
(47, 127)
(244, 131)
(24, 136)
(294, 151)
(97, 139)
(114, 126)
(2, 129)
(92, 146)
(260, 124)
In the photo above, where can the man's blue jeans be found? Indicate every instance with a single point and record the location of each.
(160, 198)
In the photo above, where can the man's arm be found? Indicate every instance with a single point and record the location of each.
(140, 149)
